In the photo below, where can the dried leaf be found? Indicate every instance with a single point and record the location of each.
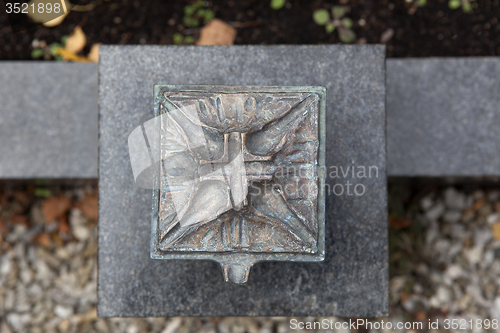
(495, 228)
(478, 204)
(89, 206)
(19, 219)
(70, 56)
(50, 18)
(63, 225)
(55, 22)
(386, 35)
(55, 207)
(94, 53)
(217, 32)
(399, 223)
(76, 41)
(43, 239)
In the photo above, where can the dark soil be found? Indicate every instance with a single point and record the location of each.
(432, 30)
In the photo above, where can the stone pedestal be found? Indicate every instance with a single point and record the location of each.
(353, 279)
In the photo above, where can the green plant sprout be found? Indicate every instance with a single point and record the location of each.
(465, 4)
(50, 51)
(277, 4)
(180, 39)
(196, 13)
(336, 21)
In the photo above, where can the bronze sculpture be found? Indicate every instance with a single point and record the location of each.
(241, 175)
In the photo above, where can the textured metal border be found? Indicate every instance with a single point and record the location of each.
(254, 257)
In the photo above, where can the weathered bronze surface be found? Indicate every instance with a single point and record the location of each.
(241, 177)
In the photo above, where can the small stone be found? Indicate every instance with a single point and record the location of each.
(454, 199)
(82, 233)
(64, 325)
(18, 321)
(495, 309)
(443, 294)
(426, 203)
(496, 253)
(452, 216)
(63, 311)
(397, 283)
(482, 236)
(454, 271)
(493, 218)
(435, 212)
(473, 254)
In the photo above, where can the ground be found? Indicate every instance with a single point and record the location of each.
(444, 263)
(406, 29)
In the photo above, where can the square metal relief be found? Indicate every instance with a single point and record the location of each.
(240, 177)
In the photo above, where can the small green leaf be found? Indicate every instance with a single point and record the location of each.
(207, 15)
(53, 48)
(421, 3)
(329, 27)
(454, 4)
(64, 38)
(347, 35)
(189, 10)
(277, 4)
(321, 16)
(338, 11)
(190, 22)
(42, 192)
(198, 4)
(177, 38)
(467, 7)
(37, 53)
(189, 40)
(58, 57)
(346, 22)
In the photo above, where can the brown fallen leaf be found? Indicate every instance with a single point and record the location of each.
(89, 206)
(76, 41)
(55, 207)
(63, 225)
(19, 219)
(57, 239)
(478, 204)
(495, 229)
(94, 53)
(48, 19)
(399, 223)
(43, 239)
(71, 56)
(217, 32)
(3, 227)
(497, 207)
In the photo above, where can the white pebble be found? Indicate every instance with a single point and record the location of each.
(63, 311)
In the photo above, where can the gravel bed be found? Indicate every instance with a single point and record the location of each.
(445, 264)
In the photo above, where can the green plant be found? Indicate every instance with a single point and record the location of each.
(49, 51)
(180, 39)
(465, 4)
(196, 13)
(277, 4)
(336, 21)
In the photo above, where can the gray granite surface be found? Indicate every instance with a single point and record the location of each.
(352, 281)
(443, 117)
(48, 120)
